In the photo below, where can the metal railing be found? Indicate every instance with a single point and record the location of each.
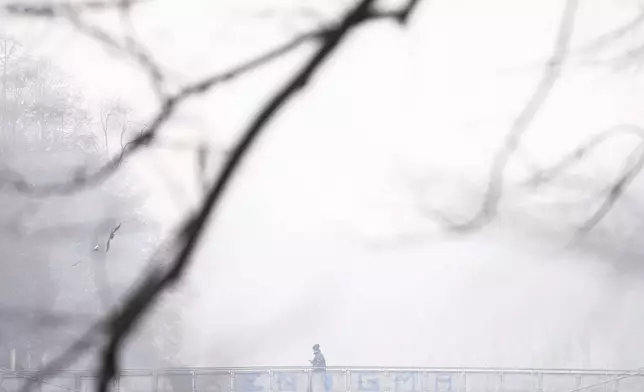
(335, 379)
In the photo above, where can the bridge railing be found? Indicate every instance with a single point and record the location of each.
(334, 379)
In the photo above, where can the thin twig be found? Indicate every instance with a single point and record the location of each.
(170, 104)
(40, 380)
(548, 175)
(79, 347)
(147, 135)
(551, 74)
(634, 165)
(615, 35)
(145, 296)
(121, 322)
(131, 48)
(72, 12)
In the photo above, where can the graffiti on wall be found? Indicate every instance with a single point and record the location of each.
(333, 380)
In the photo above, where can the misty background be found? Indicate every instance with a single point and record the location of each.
(328, 234)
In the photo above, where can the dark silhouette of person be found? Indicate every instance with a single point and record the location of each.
(318, 362)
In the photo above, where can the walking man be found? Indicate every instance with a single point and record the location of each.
(318, 375)
(318, 362)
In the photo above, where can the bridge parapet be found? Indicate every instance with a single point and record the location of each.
(335, 379)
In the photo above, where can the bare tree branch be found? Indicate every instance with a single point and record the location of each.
(167, 109)
(87, 341)
(105, 122)
(203, 153)
(41, 381)
(548, 175)
(632, 168)
(628, 58)
(634, 165)
(246, 67)
(121, 139)
(169, 106)
(121, 322)
(133, 45)
(611, 37)
(400, 15)
(131, 48)
(72, 13)
(551, 74)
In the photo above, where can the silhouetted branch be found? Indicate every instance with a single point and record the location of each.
(544, 176)
(41, 381)
(400, 15)
(133, 45)
(625, 58)
(124, 130)
(259, 61)
(121, 139)
(203, 153)
(520, 125)
(121, 322)
(105, 122)
(147, 135)
(629, 57)
(87, 341)
(131, 48)
(169, 105)
(141, 300)
(632, 169)
(611, 37)
(72, 13)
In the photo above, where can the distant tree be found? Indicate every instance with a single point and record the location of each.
(114, 120)
(159, 279)
(56, 260)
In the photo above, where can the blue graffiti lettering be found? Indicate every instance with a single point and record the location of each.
(324, 379)
(286, 382)
(444, 380)
(248, 383)
(328, 382)
(368, 384)
(401, 379)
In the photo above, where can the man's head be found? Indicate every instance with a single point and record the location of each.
(316, 348)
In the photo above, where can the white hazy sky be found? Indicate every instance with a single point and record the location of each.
(321, 237)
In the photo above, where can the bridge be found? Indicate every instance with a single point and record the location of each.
(335, 379)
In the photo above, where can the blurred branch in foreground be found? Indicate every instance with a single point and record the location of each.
(73, 11)
(632, 167)
(614, 38)
(122, 321)
(547, 175)
(166, 110)
(551, 73)
(609, 38)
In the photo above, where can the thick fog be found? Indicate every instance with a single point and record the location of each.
(329, 232)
